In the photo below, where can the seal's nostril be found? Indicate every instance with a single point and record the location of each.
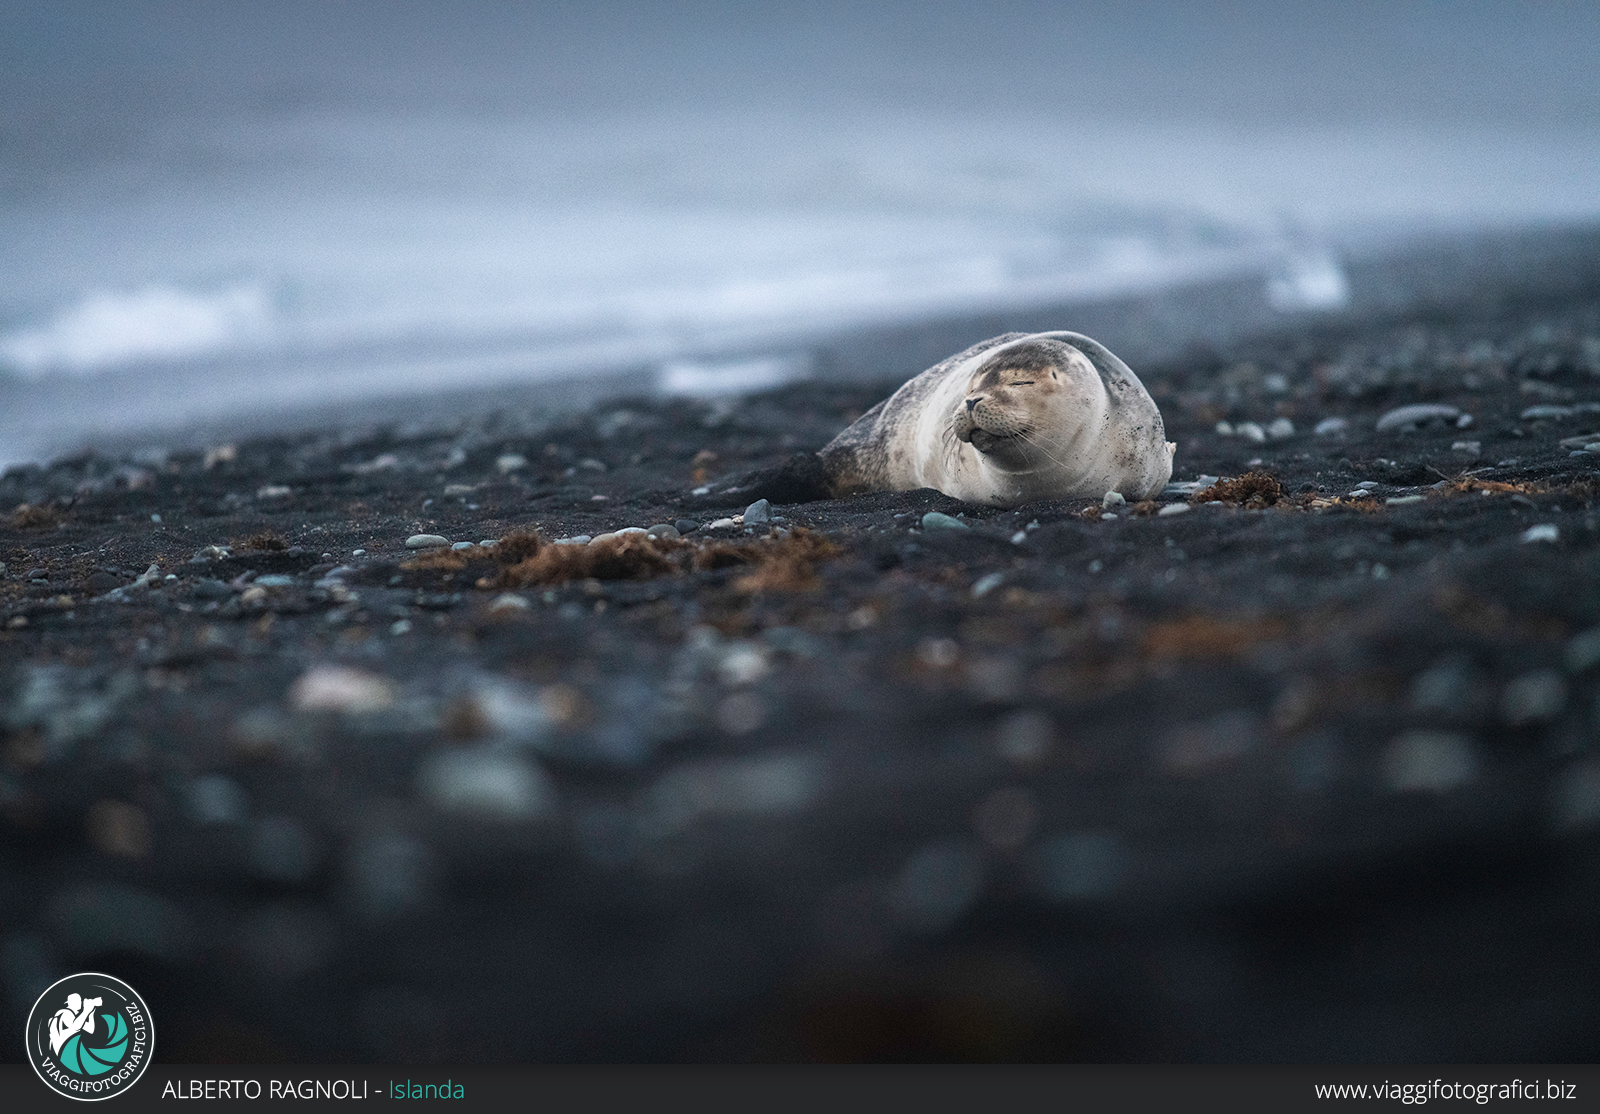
(971, 402)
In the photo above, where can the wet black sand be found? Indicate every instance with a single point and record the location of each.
(1307, 779)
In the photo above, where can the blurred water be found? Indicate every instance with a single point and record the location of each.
(184, 256)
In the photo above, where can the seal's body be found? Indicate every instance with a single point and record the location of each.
(1021, 417)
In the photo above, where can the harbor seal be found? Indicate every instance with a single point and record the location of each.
(1017, 418)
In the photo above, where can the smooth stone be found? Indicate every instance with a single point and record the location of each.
(1280, 429)
(485, 783)
(487, 543)
(340, 688)
(1537, 413)
(1544, 532)
(1536, 697)
(1583, 651)
(1173, 508)
(1416, 414)
(1404, 500)
(602, 537)
(509, 602)
(1429, 762)
(723, 524)
(663, 530)
(461, 545)
(425, 541)
(936, 520)
(986, 584)
(1112, 499)
(628, 531)
(686, 525)
(1251, 431)
(275, 580)
(1327, 427)
(358, 553)
(758, 513)
(1224, 429)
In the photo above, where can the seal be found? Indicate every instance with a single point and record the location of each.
(1014, 419)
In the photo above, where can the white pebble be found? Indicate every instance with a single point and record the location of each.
(486, 784)
(510, 462)
(1224, 429)
(1328, 427)
(339, 688)
(1280, 429)
(628, 531)
(986, 584)
(663, 530)
(487, 543)
(1250, 431)
(462, 545)
(1544, 532)
(722, 524)
(937, 520)
(399, 627)
(1403, 500)
(1173, 508)
(1113, 499)
(425, 541)
(358, 553)
(1019, 537)
(1407, 417)
(509, 602)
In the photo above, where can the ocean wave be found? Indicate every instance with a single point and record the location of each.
(157, 323)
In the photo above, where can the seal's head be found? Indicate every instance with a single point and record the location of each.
(1018, 403)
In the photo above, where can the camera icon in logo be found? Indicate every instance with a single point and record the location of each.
(90, 1036)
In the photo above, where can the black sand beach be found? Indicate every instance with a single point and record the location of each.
(1297, 768)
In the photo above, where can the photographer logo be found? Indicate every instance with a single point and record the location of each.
(90, 1037)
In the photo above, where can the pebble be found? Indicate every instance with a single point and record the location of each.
(1328, 427)
(461, 545)
(986, 584)
(387, 874)
(1019, 537)
(1113, 499)
(340, 688)
(1575, 804)
(425, 541)
(1544, 532)
(120, 829)
(276, 580)
(1473, 449)
(1403, 500)
(936, 520)
(663, 530)
(510, 462)
(1224, 429)
(1583, 651)
(399, 627)
(358, 553)
(686, 525)
(215, 799)
(1429, 762)
(487, 784)
(758, 513)
(1173, 508)
(938, 883)
(510, 601)
(1536, 697)
(487, 543)
(1250, 431)
(1078, 866)
(723, 524)
(1280, 429)
(1545, 413)
(1408, 417)
(282, 850)
(761, 785)
(1025, 738)
(1108, 517)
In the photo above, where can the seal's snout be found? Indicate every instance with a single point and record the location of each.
(971, 402)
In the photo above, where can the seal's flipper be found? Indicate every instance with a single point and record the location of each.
(800, 479)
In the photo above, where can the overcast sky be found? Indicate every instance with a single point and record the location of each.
(1525, 62)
